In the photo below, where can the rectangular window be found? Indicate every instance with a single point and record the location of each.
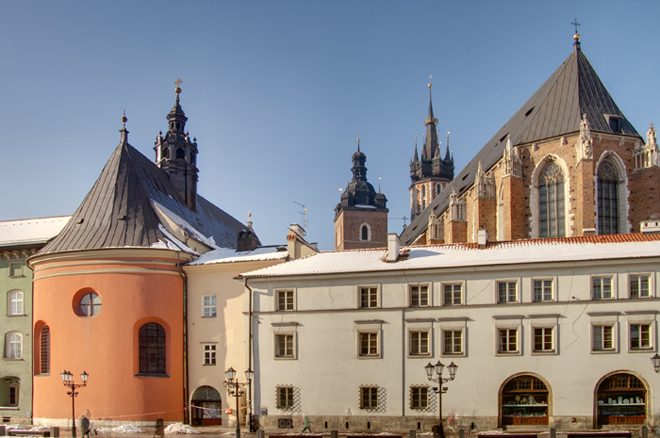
(601, 288)
(453, 294)
(506, 292)
(542, 290)
(208, 306)
(639, 286)
(508, 341)
(12, 395)
(209, 354)
(16, 269)
(284, 300)
(369, 344)
(368, 297)
(543, 340)
(368, 397)
(453, 342)
(284, 347)
(640, 336)
(419, 343)
(603, 337)
(419, 397)
(285, 397)
(419, 296)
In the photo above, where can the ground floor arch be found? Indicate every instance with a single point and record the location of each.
(206, 406)
(621, 398)
(524, 399)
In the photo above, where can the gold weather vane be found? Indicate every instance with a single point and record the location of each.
(178, 82)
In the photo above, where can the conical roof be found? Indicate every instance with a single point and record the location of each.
(120, 210)
(554, 110)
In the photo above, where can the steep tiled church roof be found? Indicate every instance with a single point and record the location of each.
(119, 210)
(556, 109)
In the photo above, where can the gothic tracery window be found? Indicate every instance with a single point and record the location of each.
(551, 202)
(608, 203)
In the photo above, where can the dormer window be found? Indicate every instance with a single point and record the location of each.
(614, 123)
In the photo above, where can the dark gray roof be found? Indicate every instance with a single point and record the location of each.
(554, 110)
(118, 212)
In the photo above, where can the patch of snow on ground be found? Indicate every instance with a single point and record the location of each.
(15, 427)
(179, 428)
(127, 428)
(40, 428)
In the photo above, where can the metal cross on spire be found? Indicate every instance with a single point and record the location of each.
(576, 24)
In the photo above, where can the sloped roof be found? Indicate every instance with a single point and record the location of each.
(555, 109)
(119, 212)
(583, 248)
(30, 231)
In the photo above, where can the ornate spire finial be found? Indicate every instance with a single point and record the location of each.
(576, 37)
(249, 222)
(178, 82)
(124, 119)
(358, 142)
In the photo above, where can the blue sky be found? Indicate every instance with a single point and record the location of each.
(277, 91)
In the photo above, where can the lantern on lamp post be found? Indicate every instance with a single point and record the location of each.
(67, 380)
(434, 374)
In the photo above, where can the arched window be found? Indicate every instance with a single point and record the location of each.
(423, 197)
(208, 399)
(621, 400)
(525, 400)
(180, 153)
(166, 152)
(608, 202)
(438, 189)
(15, 306)
(551, 202)
(13, 346)
(364, 232)
(44, 357)
(152, 349)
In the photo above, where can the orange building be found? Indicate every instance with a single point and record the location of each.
(110, 292)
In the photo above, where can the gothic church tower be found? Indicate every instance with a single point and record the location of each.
(431, 173)
(361, 215)
(176, 154)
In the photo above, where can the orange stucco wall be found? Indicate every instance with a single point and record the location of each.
(134, 290)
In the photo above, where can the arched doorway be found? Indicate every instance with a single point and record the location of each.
(206, 407)
(524, 400)
(621, 399)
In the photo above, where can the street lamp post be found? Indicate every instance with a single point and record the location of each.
(234, 388)
(434, 374)
(67, 380)
(656, 362)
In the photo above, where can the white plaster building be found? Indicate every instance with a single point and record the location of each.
(545, 333)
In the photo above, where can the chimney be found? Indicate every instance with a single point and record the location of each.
(649, 227)
(300, 231)
(482, 237)
(393, 247)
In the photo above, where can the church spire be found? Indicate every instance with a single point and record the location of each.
(431, 143)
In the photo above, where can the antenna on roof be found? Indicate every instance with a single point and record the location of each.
(304, 213)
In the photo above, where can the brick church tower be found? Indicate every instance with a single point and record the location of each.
(361, 215)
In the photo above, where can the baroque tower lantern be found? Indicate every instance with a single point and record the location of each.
(361, 215)
(176, 154)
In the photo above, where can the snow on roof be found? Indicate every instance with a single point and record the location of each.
(26, 231)
(467, 255)
(229, 255)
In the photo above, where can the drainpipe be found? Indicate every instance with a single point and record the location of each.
(185, 339)
(245, 281)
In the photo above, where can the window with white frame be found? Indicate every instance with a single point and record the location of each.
(507, 292)
(285, 300)
(209, 354)
(284, 397)
(419, 397)
(542, 290)
(544, 341)
(284, 346)
(603, 337)
(639, 285)
(601, 288)
(640, 337)
(368, 397)
(419, 295)
(452, 342)
(13, 345)
(15, 306)
(507, 340)
(369, 344)
(453, 294)
(368, 297)
(209, 307)
(16, 269)
(419, 343)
